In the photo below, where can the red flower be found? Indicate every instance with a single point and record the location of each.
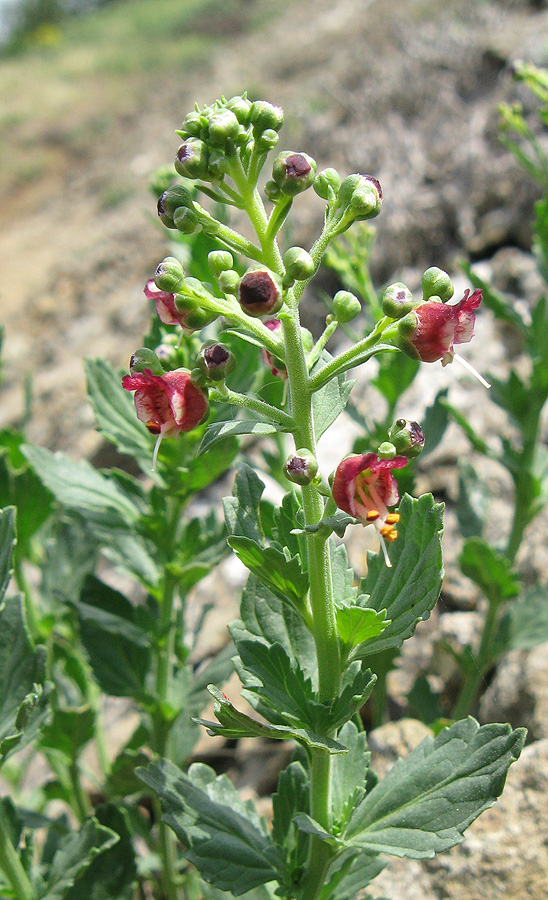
(167, 404)
(276, 366)
(435, 327)
(364, 487)
(165, 306)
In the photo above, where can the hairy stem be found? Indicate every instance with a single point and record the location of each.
(13, 869)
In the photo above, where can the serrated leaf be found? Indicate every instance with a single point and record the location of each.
(21, 668)
(525, 624)
(356, 624)
(217, 431)
(472, 501)
(7, 543)
(234, 724)
(429, 798)
(491, 571)
(329, 402)
(292, 796)
(69, 731)
(267, 618)
(223, 836)
(115, 414)
(349, 773)
(118, 650)
(75, 855)
(337, 523)
(396, 372)
(350, 872)
(281, 575)
(79, 486)
(241, 509)
(113, 872)
(345, 590)
(409, 590)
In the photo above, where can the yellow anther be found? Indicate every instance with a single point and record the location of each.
(372, 515)
(386, 531)
(392, 536)
(393, 518)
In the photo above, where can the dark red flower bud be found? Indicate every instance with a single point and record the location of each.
(293, 172)
(301, 467)
(216, 361)
(260, 292)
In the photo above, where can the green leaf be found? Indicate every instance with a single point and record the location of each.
(223, 836)
(265, 617)
(356, 624)
(329, 402)
(337, 523)
(32, 715)
(342, 574)
(424, 702)
(118, 649)
(350, 770)
(205, 468)
(280, 574)
(396, 372)
(435, 421)
(70, 553)
(234, 724)
(241, 509)
(292, 796)
(217, 431)
(491, 571)
(115, 414)
(7, 543)
(525, 624)
(408, 591)
(75, 855)
(21, 669)
(349, 874)
(113, 872)
(79, 486)
(69, 731)
(472, 501)
(428, 799)
(21, 487)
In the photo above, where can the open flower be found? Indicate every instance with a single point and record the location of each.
(430, 331)
(364, 487)
(168, 404)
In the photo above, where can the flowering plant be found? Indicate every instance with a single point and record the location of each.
(310, 631)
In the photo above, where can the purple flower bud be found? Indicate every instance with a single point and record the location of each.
(301, 467)
(293, 172)
(260, 293)
(192, 158)
(397, 300)
(216, 361)
(406, 437)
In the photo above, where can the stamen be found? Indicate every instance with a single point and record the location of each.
(385, 552)
(387, 530)
(392, 518)
(470, 368)
(372, 515)
(156, 448)
(393, 536)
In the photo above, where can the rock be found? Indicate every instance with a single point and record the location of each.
(390, 742)
(518, 692)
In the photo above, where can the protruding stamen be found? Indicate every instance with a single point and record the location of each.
(392, 518)
(385, 552)
(372, 515)
(470, 368)
(156, 449)
(393, 536)
(387, 530)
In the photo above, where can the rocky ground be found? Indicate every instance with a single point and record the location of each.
(407, 91)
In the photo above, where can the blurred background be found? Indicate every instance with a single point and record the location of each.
(91, 92)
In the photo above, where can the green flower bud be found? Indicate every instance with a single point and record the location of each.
(169, 275)
(223, 127)
(407, 437)
(220, 261)
(301, 467)
(326, 181)
(346, 306)
(299, 265)
(272, 191)
(142, 359)
(397, 300)
(216, 361)
(436, 282)
(264, 115)
(195, 317)
(260, 292)
(175, 197)
(185, 221)
(361, 195)
(192, 125)
(217, 165)
(228, 281)
(293, 172)
(191, 159)
(267, 140)
(386, 450)
(241, 107)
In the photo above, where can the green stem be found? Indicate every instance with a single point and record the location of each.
(243, 401)
(315, 353)
(355, 355)
(469, 691)
(320, 801)
(81, 804)
(13, 869)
